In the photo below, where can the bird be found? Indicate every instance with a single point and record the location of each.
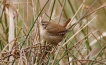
(53, 33)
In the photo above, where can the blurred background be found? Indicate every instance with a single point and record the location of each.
(19, 29)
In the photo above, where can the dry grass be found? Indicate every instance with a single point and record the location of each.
(20, 42)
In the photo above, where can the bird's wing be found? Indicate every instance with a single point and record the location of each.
(58, 31)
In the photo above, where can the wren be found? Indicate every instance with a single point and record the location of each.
(53, 33)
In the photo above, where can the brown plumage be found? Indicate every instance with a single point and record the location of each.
(53, 33)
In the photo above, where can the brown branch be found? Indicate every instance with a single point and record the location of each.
(94, 11)
(86, 61)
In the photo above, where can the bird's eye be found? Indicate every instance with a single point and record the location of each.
(43, 24)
